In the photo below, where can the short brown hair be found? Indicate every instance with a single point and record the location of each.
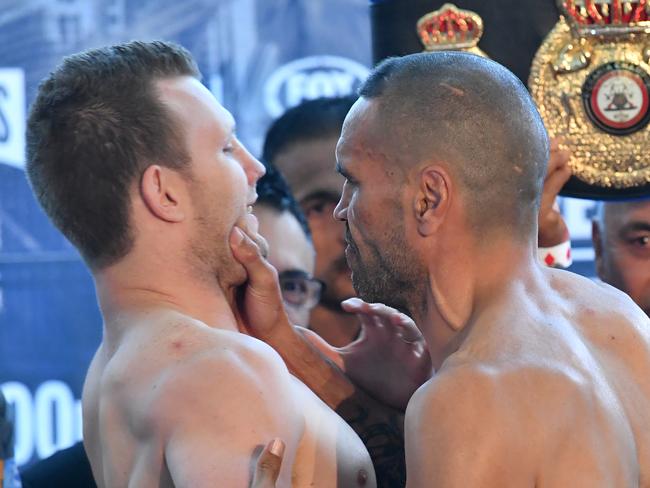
(95, 126)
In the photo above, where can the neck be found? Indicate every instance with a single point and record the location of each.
(448, 310)
(337, 327)
(144, 284)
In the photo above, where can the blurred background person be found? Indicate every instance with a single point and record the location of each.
(621, 237)
(291, 252)
(302, 145)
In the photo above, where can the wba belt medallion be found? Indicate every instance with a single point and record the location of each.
(591, 81)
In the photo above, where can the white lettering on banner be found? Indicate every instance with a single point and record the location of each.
(309, 78)
(12, 117)
(54, 411)
(20, 398)
(45, 423)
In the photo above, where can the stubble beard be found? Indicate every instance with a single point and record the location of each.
(209, 253)
(390, 276)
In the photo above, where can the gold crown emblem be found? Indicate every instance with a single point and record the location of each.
(450, 28)
(602, 17)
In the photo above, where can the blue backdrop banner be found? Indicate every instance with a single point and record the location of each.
(258, 57)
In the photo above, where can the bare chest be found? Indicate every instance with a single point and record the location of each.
(330, 453)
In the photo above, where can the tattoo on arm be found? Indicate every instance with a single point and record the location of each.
(381, 429)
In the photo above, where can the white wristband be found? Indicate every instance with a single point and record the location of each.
(557, 256)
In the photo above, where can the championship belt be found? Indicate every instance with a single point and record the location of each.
(591, 82)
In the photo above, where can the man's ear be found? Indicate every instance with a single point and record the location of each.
(597, 240)
(431, 201)
(161, 190)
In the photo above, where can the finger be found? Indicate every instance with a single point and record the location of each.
(384, 310)
(555, 143)
(557, 157)
(354, 305)
(262, 277)
(410, 331)
(553, 184)
(267, 467)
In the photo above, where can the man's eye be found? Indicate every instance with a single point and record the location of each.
(316, 208)
(641, 241)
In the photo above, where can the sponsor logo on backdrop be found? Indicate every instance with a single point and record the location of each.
(309, 78)
(45, 421)
(12, 116)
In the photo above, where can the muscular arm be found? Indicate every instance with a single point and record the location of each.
(211, 436)
(461, 430)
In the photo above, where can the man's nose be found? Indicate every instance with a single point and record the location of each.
(341, 210)
(254, 169)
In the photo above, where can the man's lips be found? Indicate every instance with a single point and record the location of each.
(251, 223)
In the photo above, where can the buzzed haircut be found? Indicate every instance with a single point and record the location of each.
(273, 191)
(96, 125)
(312, 119)
(476, 116)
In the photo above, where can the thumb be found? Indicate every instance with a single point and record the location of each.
(267, 467)
(262, 277)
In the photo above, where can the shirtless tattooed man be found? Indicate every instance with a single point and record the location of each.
(542, 376)
(139, 166)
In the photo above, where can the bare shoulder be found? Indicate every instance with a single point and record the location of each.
(474, 418)
(175, 362)
(462, 428)
(597, 298)
(608, 318)
(211, 371)
(461, 390)
(213, 398)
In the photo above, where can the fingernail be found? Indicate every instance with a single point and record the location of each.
(351, 301)
(237, 236)
(277, 447)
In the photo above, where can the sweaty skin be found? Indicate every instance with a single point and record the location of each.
(542, 377)
(176, 394)
(560, 367)
(180, 403)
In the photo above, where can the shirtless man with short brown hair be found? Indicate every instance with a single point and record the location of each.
(542, 377)
(139, 166)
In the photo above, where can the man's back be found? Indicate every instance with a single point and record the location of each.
(550, 387)
(197, 401)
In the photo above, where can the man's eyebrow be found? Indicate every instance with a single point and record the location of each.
(635, 226)
(327, 195)
(293, 273)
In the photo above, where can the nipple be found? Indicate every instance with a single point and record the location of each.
(362, 477)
